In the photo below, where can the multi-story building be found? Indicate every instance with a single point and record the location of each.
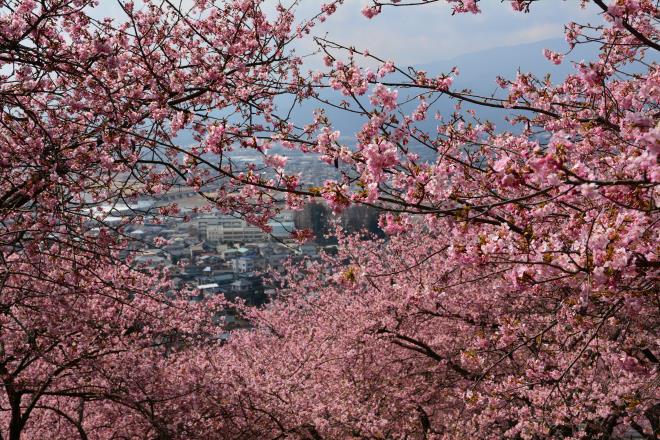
(244, 264)
(232, 230)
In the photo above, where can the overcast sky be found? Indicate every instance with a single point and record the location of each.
(423, 34)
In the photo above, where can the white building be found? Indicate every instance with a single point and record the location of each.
(243, 264)
(233, 231)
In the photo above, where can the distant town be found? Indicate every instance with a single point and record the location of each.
(214, 253)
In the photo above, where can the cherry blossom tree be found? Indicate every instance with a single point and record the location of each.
(91, 114)
(515, 295)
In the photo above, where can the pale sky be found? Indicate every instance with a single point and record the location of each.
(423, 34)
